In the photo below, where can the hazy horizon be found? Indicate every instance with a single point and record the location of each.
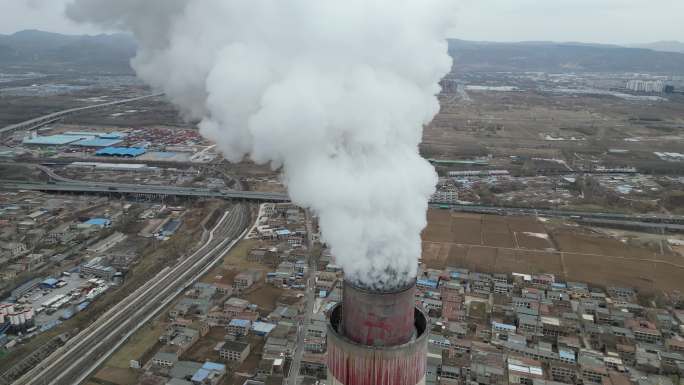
(618, 22)
(626, 45)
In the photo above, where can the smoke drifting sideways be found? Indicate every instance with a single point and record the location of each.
(336, 92)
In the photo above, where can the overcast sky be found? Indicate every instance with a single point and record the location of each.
(597, 21)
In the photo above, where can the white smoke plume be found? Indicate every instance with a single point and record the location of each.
(334, 91)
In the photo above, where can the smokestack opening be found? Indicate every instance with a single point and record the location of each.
(378, 317)
(336, 317)
(393, 287)
(352, 363)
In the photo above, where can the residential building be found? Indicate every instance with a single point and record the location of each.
(235, 351)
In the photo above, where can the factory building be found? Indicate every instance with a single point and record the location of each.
(124, 152)
(377, 337)
(646, 86)
(96, 268)
(16, 318)
(76, 138)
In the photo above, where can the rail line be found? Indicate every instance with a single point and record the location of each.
(81, 355)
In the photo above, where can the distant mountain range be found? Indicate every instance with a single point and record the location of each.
(57, 53)
(561, 57)
(664, 46)
(53, 52)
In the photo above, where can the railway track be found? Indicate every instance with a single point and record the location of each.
(80, 356)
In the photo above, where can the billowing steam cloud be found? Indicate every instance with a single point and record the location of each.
(334, 91)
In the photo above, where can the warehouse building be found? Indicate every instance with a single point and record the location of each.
(125, 152)
(96, 268)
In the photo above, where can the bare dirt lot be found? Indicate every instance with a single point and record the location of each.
(203, 350)
(503, 124)
(265, 296)
(117, 376)
(526, 245)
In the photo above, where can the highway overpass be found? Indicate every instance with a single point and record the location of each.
(55, 116)
(158, 191)
(257, 196)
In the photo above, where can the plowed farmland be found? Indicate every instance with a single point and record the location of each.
(505, 244)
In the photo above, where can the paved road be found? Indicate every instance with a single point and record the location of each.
(70, 185)
(80, 356)
(497, 210)
(118, 188)
(301, 332)
(310, 297)
(41, 120)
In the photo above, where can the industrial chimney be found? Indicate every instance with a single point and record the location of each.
(377, 337)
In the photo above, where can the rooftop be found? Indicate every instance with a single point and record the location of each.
(54, 140)
(121, 151)
(97, 142)
(240, 323)
(102, 222)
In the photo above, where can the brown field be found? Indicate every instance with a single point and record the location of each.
(532, 242)
(511, 244)
(265, 296)
(458, 255)
(500, 124)
(203, 349)
(595, 269)
(436, 254)
(480, 256)
(525, 224)
(466, 230)
(680, 251)
(116, 376)
(526, 261)
(498, 239)
(588, 244)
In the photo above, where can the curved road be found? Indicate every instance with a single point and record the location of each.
(59, 114)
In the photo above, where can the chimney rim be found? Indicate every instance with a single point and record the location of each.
(370, 290)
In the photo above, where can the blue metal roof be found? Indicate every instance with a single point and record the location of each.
(112, 135)
(99, 222)
(84, 133)
(200, 375)
(50, 282)
(54, 140)
(499, 325)
(263, 327)
(240, 322)
(214, 366)
(49, 325)
(97, 142)
(567, 354)
(427, 283)
(121, 151)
